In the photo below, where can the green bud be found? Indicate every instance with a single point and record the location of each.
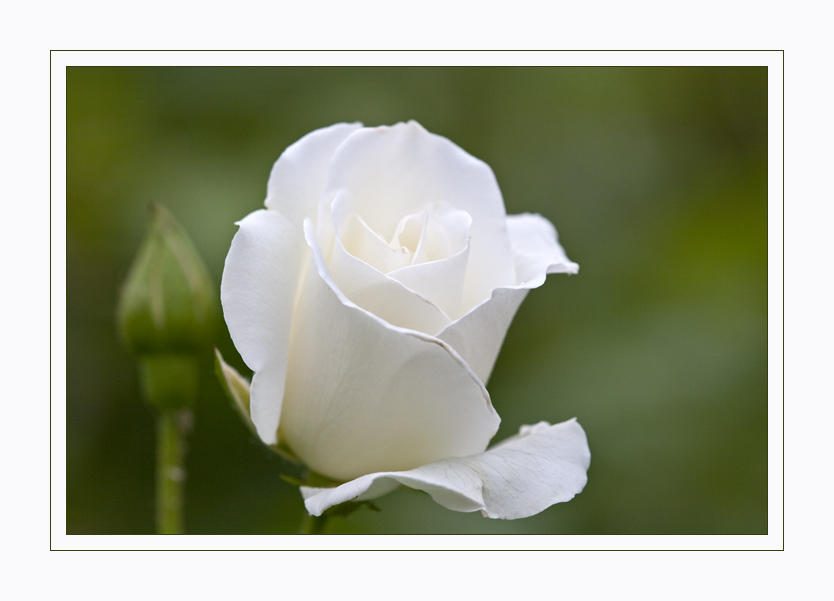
(166, 312)
(167, 303)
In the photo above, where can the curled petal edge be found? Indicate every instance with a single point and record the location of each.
(521, 476)
(537, 250)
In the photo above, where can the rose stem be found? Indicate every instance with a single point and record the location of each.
(171, 428)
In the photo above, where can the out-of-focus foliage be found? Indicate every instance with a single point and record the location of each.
(656, 181)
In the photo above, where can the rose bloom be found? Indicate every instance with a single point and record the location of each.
(370, 298)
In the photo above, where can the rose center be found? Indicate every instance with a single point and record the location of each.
(409, 234)
(435, 233)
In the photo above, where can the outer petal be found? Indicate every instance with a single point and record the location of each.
(400, 170)
(258, 290)
(517, 478)
(478, 335)
(364, 396)
(261, 275)
(298, 176)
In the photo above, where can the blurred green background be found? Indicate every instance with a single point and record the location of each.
(656, 181)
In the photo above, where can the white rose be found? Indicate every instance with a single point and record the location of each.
(370, 298)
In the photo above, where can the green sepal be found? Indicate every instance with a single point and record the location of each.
(292, 480)
(236, 388)
(311, 479)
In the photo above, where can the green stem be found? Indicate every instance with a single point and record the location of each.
(171, 429)
(311, 524)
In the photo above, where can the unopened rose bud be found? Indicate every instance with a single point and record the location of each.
(166, 311)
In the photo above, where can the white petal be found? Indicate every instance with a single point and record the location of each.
(258, 290)
(400, 170)
(537, 250)
(298, 176)
(478, 335)
(364, 396)
(517, 478)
